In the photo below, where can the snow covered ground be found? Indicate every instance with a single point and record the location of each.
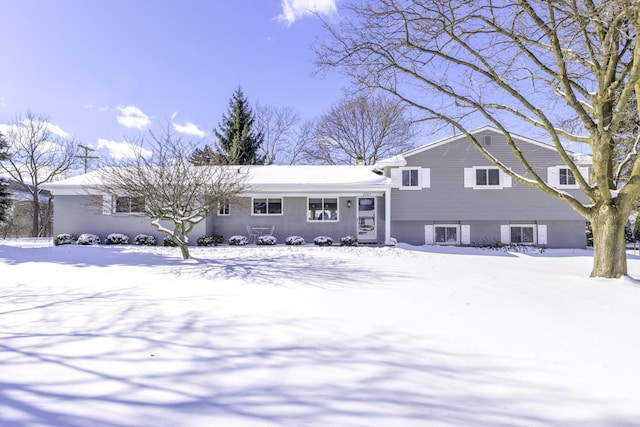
(307, 336)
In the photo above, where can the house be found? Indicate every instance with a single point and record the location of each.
(444, 193)
(449, 193)
(307, 201)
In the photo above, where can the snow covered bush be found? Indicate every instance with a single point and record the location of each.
(323, 241)
(266, 240)
(63, 239)
(88, 239)
(168, 241)
(117, 239)
(348, 241)
(145, 240)
(238, 240)
(209, 240)
(294, 240)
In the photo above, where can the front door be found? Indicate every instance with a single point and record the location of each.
(367, 218)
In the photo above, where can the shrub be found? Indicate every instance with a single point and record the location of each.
(238, 240)
(323, 241)
(168, 241)
(266, 240)
(88, 239)
(348, 241)
(209, 240)
(64, 239)
(294, 240)
(145, 240)
(117, 239)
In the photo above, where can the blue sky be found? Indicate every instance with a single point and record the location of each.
(104, 70)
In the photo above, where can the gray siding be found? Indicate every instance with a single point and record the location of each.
(293, 221)
(560, 234)
(83, 214)
(448, 201)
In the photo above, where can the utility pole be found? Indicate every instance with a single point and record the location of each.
(86, 156)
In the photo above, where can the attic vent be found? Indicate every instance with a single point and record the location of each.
(486, 140)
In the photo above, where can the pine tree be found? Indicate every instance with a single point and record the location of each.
(238, 142)
(203, 156)
(5, 194)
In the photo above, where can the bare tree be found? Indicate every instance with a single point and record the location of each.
(361, 128)
(540, 64)
(168, 188)
(38, 153)
(285, 137)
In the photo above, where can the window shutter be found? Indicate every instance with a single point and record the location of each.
(505, 180)
(107, 205)
(396, 178)
(542, 234)
(553, 176)
(425, 180)
(465, 234)
(505, 234)
(584, 171)
(469, 177)
(428, 234)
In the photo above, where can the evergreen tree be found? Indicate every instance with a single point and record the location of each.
(238, 142)
(203, 156)
(5, 194)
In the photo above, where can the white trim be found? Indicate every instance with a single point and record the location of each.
(456, 226)
(470, 178)
(326, 221)
(542, 234)
(535, 233)
(267, 199)
(505, 234)
(428, 234)
(228, 206)
(465, 234)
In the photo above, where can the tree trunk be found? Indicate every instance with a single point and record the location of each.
(184, 249)
(35, 227)
(609, 244)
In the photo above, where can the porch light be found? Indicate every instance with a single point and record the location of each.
(349, 203)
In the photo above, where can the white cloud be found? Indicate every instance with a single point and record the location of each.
(189, 129)
(292, 10)
(121, 150)
(132, 117)
(5, 129)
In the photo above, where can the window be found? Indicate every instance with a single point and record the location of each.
(267, 206)
(488, 177)
(486, 140)
(322, 209)
(224, 209)
(447, 234)
(566, 177)
(410, 178)
(523, 234)
(126, 204)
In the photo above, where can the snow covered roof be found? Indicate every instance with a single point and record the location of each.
(583, 159)
(268, 178)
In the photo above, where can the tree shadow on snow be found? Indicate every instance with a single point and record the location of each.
(137, 365)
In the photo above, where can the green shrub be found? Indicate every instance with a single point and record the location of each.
(117, 239)
(209, 240)
(145, 240)
(348, 241)
(323, 241)
(64, 239)
(168, 241)
(266, 240)
(294, 240)
(88, 239)
(238, 240)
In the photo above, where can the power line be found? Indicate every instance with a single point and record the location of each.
(86, 156)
